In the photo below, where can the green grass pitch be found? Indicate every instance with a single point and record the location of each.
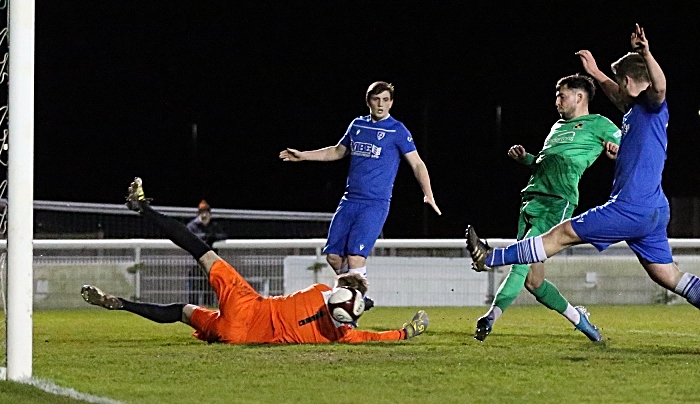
(652, 355)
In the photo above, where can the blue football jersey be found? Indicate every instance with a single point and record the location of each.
(375, 153)
(640, 161)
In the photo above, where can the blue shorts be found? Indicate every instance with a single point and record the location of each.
(355, 228)
(643, 228)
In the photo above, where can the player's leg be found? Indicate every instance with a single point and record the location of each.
(160, 313)
(358, 264)
(511, 285)
(335, 248)
(228, 285)
(545, 292)
(203, 320)
(549, 296)
(366, 228)
(550, 212)
(506, 293)
(187, 313)
(173, 229)
(672, 278)
(667, 275)
(514, 282)
(526, 251)
(600, 226)
(546, 213)
(338, 263)
(654, 253)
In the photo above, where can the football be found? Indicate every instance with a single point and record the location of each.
(346, 305)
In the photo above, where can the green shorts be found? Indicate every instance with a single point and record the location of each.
(539, 213)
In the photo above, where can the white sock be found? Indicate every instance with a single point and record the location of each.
(362, 271)
(540, 254)
(572, 314)
(685, 279)
(494, 313)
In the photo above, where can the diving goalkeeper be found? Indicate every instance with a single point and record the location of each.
(244, 316)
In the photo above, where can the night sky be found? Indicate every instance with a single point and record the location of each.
(119, 86)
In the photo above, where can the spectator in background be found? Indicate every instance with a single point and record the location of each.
(199, 290)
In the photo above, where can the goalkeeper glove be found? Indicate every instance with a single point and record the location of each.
(417, 325)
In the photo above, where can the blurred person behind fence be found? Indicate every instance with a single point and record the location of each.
(199, 290)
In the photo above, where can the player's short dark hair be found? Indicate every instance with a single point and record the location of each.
(633, 65)
(580, 82)
(353, 280)
(379, 87)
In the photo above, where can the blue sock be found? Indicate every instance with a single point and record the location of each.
(689, 287)
(524, 251)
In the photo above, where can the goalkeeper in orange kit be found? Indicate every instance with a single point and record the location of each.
(244, 316)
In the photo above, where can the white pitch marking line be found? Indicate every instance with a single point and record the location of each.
(52, 388)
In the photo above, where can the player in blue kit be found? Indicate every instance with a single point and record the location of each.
(376, 143)
(638, 211)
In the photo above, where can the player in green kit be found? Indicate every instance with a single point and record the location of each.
(551, 195)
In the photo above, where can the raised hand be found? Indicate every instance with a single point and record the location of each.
(589, 64)
(517, 152)
(639, 40)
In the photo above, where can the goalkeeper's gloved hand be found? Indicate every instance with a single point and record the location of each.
(417, 325)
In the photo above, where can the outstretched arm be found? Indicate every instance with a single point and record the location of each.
(656, 93)
(330, 153)
(421, 173)
(609, 86)
(415, 327)
(353, 336)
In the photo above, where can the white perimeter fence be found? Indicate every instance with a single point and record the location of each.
(415, 272)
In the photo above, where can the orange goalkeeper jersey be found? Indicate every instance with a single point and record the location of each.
(244, 316)
(303, 317)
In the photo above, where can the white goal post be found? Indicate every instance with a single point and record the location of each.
(20, 189)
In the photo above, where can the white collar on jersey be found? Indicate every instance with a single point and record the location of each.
(373, 121)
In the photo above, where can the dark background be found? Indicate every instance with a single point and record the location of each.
(119, 86)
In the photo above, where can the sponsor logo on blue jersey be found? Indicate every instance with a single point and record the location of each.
(363, 149)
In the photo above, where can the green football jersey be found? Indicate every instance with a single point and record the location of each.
(570, 148)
